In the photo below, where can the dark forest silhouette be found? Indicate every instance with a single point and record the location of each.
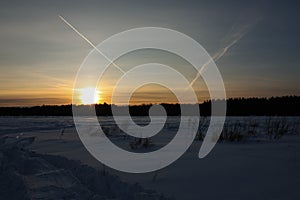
(281, 106)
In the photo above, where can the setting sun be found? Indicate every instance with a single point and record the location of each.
(89, 95)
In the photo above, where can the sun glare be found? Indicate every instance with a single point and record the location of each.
(89, 95)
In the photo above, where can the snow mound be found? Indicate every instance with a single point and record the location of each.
(27, 175)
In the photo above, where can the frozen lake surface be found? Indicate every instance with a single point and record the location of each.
(37, 123)
(258, 166)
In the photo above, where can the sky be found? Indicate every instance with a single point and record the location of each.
(255, 45)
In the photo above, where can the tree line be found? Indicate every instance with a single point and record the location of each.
(281, 106)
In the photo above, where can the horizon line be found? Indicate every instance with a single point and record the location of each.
(149, 104)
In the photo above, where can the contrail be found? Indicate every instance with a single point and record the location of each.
(90, 43)
(235, 37)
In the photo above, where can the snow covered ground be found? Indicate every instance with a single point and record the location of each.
(255, 167)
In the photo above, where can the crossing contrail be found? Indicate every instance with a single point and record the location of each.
(90, 43)
(236, 35)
